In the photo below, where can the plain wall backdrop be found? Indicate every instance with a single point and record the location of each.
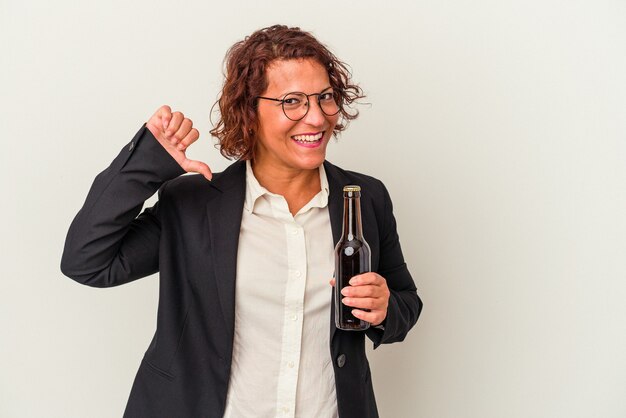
(498, 127)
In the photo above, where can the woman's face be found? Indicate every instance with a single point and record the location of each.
(283, 143)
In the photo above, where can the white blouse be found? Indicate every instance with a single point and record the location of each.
(281, 363)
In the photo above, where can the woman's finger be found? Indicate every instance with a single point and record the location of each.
(363, 291)
(174, 126)
(165, 114)
(367, 278)
(364, 303)
(371, 317)
(183, 131)
(191, 137)
(158, 122)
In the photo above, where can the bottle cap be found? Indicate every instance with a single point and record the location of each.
(352, 188)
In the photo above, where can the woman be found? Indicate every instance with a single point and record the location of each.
(245, 317)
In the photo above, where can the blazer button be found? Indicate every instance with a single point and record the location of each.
(341, 360)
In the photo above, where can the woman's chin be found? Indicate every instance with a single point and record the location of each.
(310, 162)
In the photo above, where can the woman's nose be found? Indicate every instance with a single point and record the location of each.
(314, 116)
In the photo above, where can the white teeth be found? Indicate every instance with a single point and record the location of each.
(308, 138)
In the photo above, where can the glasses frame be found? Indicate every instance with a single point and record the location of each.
(308, 103)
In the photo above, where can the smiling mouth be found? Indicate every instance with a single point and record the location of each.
(308, 139)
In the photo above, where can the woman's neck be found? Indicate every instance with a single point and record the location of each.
(297, 186)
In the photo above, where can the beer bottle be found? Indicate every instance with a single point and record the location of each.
(352, 257)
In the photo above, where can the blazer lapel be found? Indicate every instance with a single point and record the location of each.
(224, 213)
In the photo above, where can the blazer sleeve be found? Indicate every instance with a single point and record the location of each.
(405, 305)
(107, 243)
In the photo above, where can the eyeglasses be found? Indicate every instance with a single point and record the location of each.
(296, 105)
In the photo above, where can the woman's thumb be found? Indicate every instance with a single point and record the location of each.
(200, 167)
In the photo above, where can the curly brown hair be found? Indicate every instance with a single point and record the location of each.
(245, 68)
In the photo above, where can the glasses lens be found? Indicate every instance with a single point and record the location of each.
(295, 105)
(328, 103)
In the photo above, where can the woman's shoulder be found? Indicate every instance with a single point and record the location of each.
(344, 177)
(197, 187)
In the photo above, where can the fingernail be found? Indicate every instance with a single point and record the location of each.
(181, 147)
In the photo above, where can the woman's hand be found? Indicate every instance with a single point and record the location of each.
(367, 291)
(175, 133)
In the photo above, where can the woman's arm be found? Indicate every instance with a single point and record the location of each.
(107, 243)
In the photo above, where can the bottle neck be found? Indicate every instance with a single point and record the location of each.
(352, 227)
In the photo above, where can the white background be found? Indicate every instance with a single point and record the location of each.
(498, 127)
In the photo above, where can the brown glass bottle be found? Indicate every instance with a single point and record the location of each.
(352, 257)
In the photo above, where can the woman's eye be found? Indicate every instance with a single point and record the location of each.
(326, 97)
(291, 101)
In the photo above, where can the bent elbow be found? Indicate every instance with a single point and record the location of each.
(74, 272)
(420, 307)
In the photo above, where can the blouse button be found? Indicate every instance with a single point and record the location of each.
(341, 360)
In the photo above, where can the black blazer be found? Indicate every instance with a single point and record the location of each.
(190, 236)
